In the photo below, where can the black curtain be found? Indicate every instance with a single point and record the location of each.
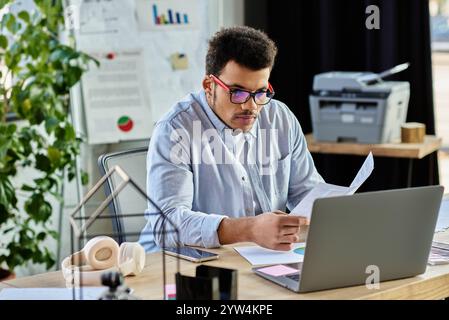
(330, 35)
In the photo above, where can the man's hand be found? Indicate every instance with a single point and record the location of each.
(273, 230)
(303, 220)
(276, 230)
(303, 229)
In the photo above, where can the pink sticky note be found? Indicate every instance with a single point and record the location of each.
(278, 270)
(170, 292)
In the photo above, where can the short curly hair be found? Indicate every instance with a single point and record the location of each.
(248, 47)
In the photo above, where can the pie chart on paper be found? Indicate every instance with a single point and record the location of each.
(125, 123)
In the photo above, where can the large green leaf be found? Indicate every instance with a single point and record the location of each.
(54, 155)
(43, 163)
(3, 41)
(11, 23)
(69, 132)
(25, 16)
(4, 214)
(5, 143)
(84, 178)
(38, 208)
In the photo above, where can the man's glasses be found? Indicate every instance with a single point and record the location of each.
(240, 96)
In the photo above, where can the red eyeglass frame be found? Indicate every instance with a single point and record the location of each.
(224, 86)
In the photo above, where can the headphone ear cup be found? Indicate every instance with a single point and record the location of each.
(101, 252)
(125, 262)
(139, 253)
(131, 258)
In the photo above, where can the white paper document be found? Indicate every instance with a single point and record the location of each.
(257, 255)
(325, 190)
(103, 24)
(88, 293)
(116, 99)
(364, 172)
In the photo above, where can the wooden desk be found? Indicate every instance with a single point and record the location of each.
(393, 150)
(409, 151)
(4, 285)
(433, 284)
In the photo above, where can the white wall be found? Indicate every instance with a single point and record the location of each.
(232, 12)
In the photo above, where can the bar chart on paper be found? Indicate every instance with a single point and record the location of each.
(171, 17)
(160, 15)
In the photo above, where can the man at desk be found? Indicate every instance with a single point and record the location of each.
(225, 162)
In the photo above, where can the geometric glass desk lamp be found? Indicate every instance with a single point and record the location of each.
(101, 252)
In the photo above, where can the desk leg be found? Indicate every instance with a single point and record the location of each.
(409, 173)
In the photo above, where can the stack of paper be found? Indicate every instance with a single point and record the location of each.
(439, 254)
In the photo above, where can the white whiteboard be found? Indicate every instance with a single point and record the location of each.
(126, 32)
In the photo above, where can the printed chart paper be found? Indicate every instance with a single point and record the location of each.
(116, 99)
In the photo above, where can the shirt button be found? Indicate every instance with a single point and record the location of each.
(243, 178)
(248, 211)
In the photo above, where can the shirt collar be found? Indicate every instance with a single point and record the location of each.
(216, 121)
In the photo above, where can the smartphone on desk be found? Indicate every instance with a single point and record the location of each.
(191, 254)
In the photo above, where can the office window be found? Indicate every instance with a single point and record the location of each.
(439, 18)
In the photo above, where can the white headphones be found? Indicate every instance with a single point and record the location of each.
(102, 254)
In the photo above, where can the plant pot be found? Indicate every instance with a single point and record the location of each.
(6, 275)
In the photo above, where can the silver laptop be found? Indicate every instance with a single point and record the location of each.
(352, 236)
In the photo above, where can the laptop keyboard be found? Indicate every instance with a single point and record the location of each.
(294, 277)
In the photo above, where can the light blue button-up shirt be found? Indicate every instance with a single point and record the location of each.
(200, 171)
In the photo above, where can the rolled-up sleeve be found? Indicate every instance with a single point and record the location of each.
(170, 188)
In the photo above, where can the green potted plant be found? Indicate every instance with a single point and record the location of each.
(36, 76)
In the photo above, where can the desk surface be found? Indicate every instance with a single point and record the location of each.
(433, 284)
(394, 150)
(4, 285)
